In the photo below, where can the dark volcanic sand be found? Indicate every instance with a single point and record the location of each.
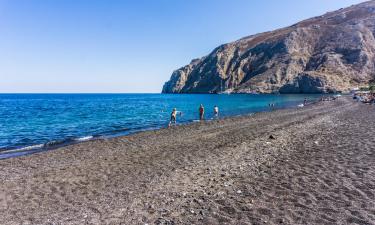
(318, 169)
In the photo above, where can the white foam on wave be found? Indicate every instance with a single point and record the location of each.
(27, 148)
(32, 147)
(84, 138)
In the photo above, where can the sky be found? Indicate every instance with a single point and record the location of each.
(124, 46)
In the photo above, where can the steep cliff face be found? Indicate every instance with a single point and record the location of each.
(333, 52)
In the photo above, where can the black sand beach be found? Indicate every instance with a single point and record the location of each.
(314, 165)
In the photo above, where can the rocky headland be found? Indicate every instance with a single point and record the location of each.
(334, 52)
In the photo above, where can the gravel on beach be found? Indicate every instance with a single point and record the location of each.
(311, 165)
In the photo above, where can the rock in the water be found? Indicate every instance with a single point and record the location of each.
(329, 53)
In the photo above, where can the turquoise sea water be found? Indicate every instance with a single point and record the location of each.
(36, 122)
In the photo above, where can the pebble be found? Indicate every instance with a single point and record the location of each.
(239, 192)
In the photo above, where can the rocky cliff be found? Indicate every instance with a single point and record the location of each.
(329, 53)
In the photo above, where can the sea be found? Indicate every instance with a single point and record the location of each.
(32, 123)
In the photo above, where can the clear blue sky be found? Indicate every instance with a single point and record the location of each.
(127, 46)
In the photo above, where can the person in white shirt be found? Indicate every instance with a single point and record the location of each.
(216, 111)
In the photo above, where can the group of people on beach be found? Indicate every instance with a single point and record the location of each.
(200, 110)
(368, 98)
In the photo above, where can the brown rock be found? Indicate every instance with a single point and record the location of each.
(333, 52)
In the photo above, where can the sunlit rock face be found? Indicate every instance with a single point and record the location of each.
(329, 53)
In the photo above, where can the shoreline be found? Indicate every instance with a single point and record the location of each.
(312, 165)
(56, 144)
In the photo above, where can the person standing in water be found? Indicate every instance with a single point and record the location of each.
(173, 117)
(305, 101)
(216, 111)
(201, 112)
(271, 105)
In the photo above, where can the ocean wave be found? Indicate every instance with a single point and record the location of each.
(86, 138)
(56, 142)
(48, 145)
(23, 149)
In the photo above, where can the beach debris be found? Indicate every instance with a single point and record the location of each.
(272, 137)
(239, 192)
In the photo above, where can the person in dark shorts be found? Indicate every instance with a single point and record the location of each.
(201, 112)
(173, 117)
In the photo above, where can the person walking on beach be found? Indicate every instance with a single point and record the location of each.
(201, 112)
(305, 101)
(173, 117)
(216, 111)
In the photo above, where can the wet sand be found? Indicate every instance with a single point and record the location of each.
(314, 165)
